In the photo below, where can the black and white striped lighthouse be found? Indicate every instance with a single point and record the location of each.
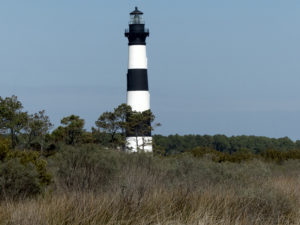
(138, 96)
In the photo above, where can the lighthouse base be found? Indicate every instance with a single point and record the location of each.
(139, 144)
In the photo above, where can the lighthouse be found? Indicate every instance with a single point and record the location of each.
(138, 96)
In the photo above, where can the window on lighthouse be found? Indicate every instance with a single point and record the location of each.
(136, 19)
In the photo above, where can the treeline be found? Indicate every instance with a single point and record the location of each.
(35, 132)
(269, 155)
(173, 144)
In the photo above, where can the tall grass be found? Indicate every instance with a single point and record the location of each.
(95, 186)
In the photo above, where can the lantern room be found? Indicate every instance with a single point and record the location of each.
(136, 17)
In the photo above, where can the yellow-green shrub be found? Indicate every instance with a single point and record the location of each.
(22, 173)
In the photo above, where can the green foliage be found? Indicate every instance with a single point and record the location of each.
(121, 122)
(101, 138)
(139, 123)
(12, 119)
(22, 173)
(87, 138)
(84, 168)
(245, 155)
(114, 124)
(58, 135)
(122, 112)
(221, 143)
(215, 155)
(18, 180)
(158, 150)
(32, 157)
(73, 129)
(4, 148)
(176, 143)
(36, 131)
(71, 132)
(279, 156)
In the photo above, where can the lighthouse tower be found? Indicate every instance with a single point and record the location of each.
(138, 96)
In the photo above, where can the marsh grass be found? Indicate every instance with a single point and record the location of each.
(98, 187)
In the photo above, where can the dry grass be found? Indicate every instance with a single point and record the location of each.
(160, 207)
(146, 190)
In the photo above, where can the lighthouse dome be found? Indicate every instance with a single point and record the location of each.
(136, 12)
(136, 17)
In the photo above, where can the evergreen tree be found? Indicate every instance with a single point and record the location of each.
(12, 119)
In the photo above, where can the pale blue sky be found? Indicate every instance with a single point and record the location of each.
(215, 67)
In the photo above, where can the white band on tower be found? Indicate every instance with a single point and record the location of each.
(138, 100)
(137, 57)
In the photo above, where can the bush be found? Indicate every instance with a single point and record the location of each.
(18, 180)
(279, 156)
(34, 158)
(84, 168)
(4, 148)
(216, 156)
(22, 173)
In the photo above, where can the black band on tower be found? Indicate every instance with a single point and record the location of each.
(137, 80)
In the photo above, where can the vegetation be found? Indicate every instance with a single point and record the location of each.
(22, 173)
(96, 186)
(74, 176)
(12, 119)
(173, 144)
(71, 132)
(33, 132)
(114, 124)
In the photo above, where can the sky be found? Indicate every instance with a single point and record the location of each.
(215, 67)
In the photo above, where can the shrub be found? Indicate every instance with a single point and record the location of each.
(18, 180)
(4, 148)
(279, 156)
(32, 157)
(83, 168)
(22, 173)
(216, 156)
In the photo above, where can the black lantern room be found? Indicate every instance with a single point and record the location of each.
(137, 33)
